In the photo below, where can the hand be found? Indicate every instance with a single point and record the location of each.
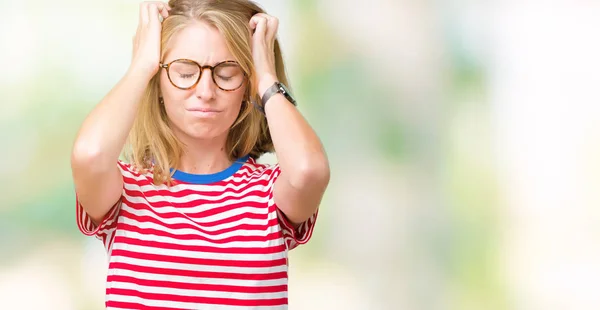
(146, 42)
(263, 49)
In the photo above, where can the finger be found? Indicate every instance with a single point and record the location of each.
(252, 23)
(157, 11)
(272, 26)
(264, 15)
(153, 13)
(254, 20)
(164, 11)
(260, 25)
(144, 12)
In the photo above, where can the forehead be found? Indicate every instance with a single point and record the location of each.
(198, 41)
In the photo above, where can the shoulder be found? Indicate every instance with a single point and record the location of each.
(132, 174)
(253, 169)
(256, 173)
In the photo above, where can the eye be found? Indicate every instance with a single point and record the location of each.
(224, 78)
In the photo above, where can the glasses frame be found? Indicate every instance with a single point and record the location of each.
(212, 73)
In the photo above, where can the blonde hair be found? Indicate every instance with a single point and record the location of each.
(151, 142)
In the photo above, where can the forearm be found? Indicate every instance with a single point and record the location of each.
(104, 131)
(301, 155)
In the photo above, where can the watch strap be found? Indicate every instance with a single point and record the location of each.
(274, 89)
(277, 87)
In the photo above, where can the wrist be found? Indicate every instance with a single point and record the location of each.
(264, 83)
(142, 72)
(136, 80)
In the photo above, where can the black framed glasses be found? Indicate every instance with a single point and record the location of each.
(186, 73)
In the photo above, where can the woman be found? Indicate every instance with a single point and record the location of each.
(193, 221)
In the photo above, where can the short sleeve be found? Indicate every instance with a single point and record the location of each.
(105, 230)
(292, 237)
(88, 228)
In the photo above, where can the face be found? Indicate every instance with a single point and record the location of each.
(204, 111)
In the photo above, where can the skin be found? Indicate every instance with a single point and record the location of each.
(201, 117)
(304, 166)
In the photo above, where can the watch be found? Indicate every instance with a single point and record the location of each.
(274, 89)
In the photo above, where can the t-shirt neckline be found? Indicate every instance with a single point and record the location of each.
(212, 177)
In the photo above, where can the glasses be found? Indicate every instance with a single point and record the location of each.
(185, 74)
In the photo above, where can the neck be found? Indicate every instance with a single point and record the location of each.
(204, 156)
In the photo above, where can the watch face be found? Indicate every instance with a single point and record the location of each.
(282, 86)
(286, 92)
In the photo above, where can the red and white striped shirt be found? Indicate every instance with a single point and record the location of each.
(214, 241)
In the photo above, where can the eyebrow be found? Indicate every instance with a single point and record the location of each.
(212, 65)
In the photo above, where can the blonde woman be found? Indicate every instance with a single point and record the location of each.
(192, 221)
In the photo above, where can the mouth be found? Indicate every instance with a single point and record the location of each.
(203, 112)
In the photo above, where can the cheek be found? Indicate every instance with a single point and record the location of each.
(165, 87)
(174, 114)
(235, 106)
(231, 115)
(172, 98)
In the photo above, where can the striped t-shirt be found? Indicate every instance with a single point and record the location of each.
(215, 241)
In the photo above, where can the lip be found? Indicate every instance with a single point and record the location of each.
(203, 112)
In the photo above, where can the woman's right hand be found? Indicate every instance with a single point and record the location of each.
(146, 42)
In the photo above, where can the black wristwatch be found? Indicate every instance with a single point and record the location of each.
(274, 89)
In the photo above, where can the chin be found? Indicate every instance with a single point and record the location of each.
(203, 128)
(204, 131)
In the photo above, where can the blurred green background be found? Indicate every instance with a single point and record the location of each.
(462, 135)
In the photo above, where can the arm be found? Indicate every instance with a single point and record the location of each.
(98, 181)
(304, 166)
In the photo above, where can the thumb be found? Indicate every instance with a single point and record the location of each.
(259, 24)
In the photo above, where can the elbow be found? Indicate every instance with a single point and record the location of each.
(84, 152)
(88, 157)
(311, 174)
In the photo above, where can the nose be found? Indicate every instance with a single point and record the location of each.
(205, 89)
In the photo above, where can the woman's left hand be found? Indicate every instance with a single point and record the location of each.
(263, 49)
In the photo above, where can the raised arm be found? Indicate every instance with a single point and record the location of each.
(304, 166)
(100, 140)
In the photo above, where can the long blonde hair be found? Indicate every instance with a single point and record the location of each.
(151, 142)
